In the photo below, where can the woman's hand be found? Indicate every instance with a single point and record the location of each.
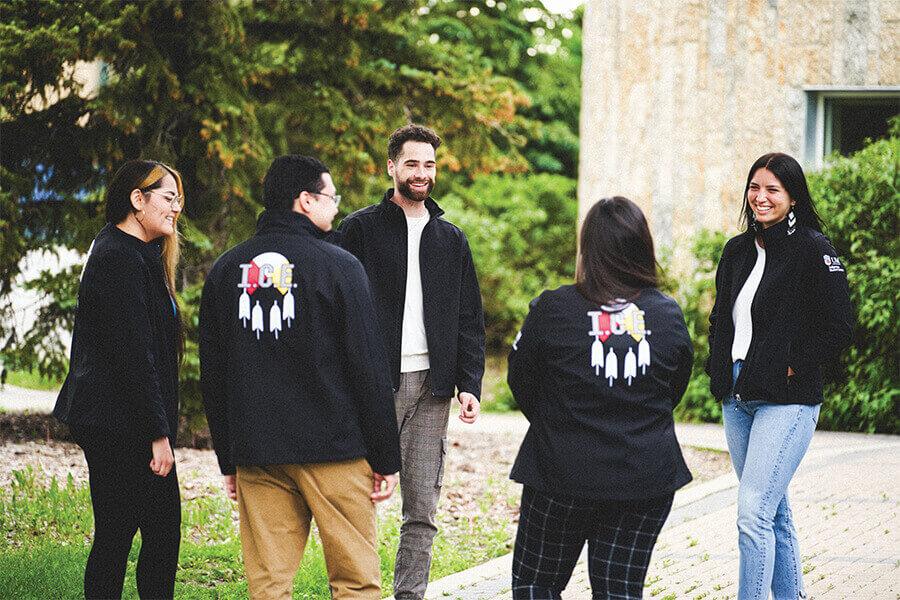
(163, 459)
(790, 372)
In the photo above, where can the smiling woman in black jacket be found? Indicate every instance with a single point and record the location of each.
(597, 369)
(120, 396)
(782, 313)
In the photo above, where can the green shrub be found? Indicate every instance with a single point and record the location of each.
(521, 231)
(696, 294)
(858, 198)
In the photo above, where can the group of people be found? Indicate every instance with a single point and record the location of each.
(329, 360)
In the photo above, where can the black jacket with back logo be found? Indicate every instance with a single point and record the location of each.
(801, 313)
(292, 368)
(598, 385)
(454, 323)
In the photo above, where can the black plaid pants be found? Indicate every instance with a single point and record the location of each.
(552, 531)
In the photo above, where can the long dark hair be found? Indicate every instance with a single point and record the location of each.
(790, 174)
(616, 258)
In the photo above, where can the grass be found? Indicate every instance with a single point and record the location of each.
(32, 380)
(46, 527)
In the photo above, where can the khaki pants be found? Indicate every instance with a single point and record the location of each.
(276, 503)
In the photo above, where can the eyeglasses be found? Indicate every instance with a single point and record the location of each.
(336, 199)
(174, 201)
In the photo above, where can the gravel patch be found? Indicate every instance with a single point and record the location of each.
(476, 480)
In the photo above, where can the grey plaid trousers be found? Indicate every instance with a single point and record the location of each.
(552, 531)
(422, 420)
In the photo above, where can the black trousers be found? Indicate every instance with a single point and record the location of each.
(127, 497)
(553, 529)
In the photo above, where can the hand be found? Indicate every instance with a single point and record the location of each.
(469, 407)
(231, 486)
(163, 459)
(790, 372)
(379, 494)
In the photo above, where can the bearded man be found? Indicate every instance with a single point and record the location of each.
(429, 310)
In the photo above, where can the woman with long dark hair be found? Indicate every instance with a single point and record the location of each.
(782, 312)
(120, 397)
(597, 369)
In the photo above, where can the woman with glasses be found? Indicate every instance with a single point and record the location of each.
(120, 397)
(597, 370)
(782, 313)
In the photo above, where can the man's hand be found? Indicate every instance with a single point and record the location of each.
(231, 486)
(469, 407)
(790, 372)
(163, 459)
(388, 481)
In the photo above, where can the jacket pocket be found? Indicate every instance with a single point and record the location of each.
(443, 462)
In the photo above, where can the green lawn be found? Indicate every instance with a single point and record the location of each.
(32, 380)
(45, 532)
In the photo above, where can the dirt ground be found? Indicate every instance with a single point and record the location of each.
(476, 479)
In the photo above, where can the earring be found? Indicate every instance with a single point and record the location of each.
(792, 222)
(753, 224)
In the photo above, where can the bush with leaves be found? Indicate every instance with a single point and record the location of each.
(858, 198)
(521, 231)
(696, 294)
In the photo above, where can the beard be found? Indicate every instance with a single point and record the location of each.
(409, 193)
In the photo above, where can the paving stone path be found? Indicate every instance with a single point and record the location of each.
(845, 498)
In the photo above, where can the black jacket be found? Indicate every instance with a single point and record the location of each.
(802, 316)
(292, 370)
(601, 431)
(123, 369)
(454, 323)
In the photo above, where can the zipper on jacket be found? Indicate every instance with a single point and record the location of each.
(753, 340)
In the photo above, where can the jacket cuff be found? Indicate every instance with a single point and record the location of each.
(159, 428)
(473, 389)
(384, 464)
(227, 468)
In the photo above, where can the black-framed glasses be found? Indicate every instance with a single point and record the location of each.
(336, 198)
(175, 201)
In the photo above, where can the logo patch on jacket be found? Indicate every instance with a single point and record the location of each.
(627, 321)
(267, 270)
(833, 263)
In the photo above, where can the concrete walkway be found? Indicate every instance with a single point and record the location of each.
(16, 399)
(845, 498)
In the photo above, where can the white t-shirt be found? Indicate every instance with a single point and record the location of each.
(414, 344)
(740, 313)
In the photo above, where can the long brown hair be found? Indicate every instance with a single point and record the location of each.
(616, 258)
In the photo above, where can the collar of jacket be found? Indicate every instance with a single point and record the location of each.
(775, 235)
(434, 211)
(286, 221)
(151, 250)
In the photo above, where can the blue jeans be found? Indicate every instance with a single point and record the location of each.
(767, 442)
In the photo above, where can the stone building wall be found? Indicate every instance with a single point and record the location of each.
(681, 96)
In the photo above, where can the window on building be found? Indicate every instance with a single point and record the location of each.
(841, 120)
